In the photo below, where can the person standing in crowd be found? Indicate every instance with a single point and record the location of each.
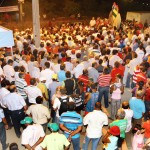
(122, 124)
(91, 98)
(55, 140)
(94, 121)
(104, 83)
(39, 113)
(3, 128)
(33, 91)
(9, 71)
(71, 127)
(32, 135)
(138, 107)
(62, 73)
(16, 105)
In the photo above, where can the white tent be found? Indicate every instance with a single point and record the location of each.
(6, 37)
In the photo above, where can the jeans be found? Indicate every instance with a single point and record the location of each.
(16, 117)
(129, 76)
(3, 136)
(76, 143)
(7, 116)
(103, 91)
(86, 142)
(147, 105)
(115, 105)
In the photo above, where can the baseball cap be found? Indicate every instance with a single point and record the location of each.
(53, 126)
(27, 120)
(114, 130)
(54, 76)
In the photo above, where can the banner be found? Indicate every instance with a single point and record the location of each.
(9, 8)
(115, 10)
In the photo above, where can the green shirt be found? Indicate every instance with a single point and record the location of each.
(55, 141)
(122, 124)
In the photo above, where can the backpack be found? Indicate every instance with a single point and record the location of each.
(63, 105)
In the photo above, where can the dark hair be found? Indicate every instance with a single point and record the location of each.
(94, 63)
(100, 61)
(117, 64)
(5, 83)
(85, 72)
(125, 105)
(63, 90)
(106, 70)
(62, 66)
(98, 105)
(68, 74)
(47, 64)
(21, 74)
(39, 100)
(93, 86)
(13, 146)
(32, 81)
(22, 68)
(140, 84)
(136, 128)
(71, 106)
(12, 88)
(10, 61)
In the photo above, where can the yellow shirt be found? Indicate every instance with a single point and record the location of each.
(43, 89)
(55, 141)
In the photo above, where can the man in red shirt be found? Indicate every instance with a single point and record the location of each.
(85, 79)
(116, 70)
(142, 75)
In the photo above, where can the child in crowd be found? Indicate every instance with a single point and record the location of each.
(116, 90)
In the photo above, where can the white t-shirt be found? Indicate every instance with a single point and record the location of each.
(31, 135)
(128, 116)
(95, 121)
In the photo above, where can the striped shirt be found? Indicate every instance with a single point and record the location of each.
(21, 84)
(135, 73)
(104, 80)
(71, 120)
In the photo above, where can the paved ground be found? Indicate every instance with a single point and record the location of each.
(11, 137)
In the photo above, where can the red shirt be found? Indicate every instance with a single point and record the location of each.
(27, 78)
(85, 80)
(146, 126)
(114, 72)
(147, 94)
(104, 80)
(141, 77)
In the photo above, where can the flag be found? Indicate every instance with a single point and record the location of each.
(115, 10)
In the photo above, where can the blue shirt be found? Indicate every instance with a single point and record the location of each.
(138, 107)
(71, 120)
(91, 103)
(61, 75)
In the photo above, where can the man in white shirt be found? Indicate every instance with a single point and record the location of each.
(9, 71)
(33, 135)
(39, 113)
(16, 105)
(78, 70)
(68, 64)
(33, 91)
(47, 73)
(94, 121)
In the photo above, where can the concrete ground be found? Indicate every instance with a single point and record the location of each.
(11, 137)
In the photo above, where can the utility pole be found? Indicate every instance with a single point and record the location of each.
(21, 2)
(36, 22)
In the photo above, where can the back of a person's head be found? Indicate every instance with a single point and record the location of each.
(63, 90)
(39, 100)
(5, 83)
(71, 106)
(32, 58)
(98, 105)
(22, 68)
(32, 81)
(62, 67)
(114, 52)
(12, 88)
(100, 61)
(106, 70)
(121, 113)
(13, 146)
(85, 72)
(10, 61)
(47, 64)
(125, 105)
(139, 93)
(117, 64)
(21, 75)
(68, 74)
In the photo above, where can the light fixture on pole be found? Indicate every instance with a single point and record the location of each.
(21, 2)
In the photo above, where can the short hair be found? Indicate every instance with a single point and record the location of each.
(85, 72)
(62, 66)
(106, 70)
(12, 88)
(71, 106)
(39, 100)
(10, 61)
(94, 63)
(47, 64)
(32, 81)
(68, 74)
(16, 68)
(63, 90)
(125, 105)
(21, 74)
(121, 113)
(13, 146)
(32, 58)
(22, 69)
(100, 61)
(5, 83)
(117, 64)
(98, 105)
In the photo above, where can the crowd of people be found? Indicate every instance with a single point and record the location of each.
(70, 81)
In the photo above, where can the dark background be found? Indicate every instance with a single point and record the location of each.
(88, 8)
